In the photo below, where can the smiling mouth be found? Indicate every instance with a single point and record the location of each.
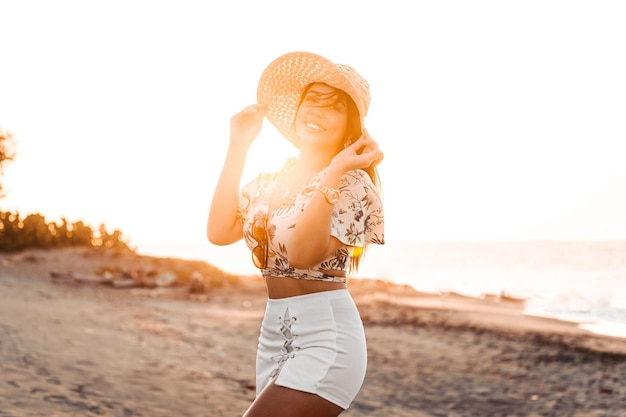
(314, 126)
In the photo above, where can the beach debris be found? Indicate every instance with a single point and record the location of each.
(502, 297)
(180, 278)
(196, 283)
(136, 279)
(123, 280)
(76, 277)
(166, 279)
(126, 283)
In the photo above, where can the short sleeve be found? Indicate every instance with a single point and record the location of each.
(245, 198)
(358, 218)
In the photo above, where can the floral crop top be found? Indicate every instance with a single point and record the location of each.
(357, 220)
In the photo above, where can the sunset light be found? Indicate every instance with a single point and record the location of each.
(138, 277)
(498, 122)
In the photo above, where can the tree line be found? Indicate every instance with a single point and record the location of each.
(34, 231)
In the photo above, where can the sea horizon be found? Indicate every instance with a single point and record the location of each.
(581, 282)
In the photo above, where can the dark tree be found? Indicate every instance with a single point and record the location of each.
(6, 153)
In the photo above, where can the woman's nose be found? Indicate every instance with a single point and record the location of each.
(316, 111)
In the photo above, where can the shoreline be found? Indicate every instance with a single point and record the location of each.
(471, 261)
(497, 311)
(71, 344)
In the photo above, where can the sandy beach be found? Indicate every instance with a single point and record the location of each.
(85, 332)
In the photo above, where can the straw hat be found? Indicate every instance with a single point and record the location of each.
(283, 81)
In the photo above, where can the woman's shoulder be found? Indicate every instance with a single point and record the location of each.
(357, 177)
(358, 174)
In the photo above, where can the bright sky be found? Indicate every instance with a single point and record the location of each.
(500, 120)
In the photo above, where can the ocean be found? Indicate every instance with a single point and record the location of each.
(583, 282)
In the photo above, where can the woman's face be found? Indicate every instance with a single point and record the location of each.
(322, 117)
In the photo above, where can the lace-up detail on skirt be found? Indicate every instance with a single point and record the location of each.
(288, 349)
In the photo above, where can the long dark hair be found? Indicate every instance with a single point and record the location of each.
(354, 131)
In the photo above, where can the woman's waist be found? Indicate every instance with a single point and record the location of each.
(283, 287)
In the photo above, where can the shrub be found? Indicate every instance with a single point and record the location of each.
(34, 231)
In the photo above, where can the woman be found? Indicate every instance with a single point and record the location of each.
(307, 226)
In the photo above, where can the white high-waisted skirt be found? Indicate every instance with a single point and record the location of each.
(313, 343)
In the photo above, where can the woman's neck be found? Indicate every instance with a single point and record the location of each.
(313, 161)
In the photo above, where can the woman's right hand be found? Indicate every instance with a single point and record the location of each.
(246, 125)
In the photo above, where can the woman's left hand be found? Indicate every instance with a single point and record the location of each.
(361, 154)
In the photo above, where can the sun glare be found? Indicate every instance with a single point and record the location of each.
(268, 152)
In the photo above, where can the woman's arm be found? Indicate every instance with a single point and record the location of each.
(223, 227)
(311, 241)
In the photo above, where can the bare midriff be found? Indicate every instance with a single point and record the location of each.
(282, 287)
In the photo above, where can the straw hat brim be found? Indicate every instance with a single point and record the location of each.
(283, 81)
